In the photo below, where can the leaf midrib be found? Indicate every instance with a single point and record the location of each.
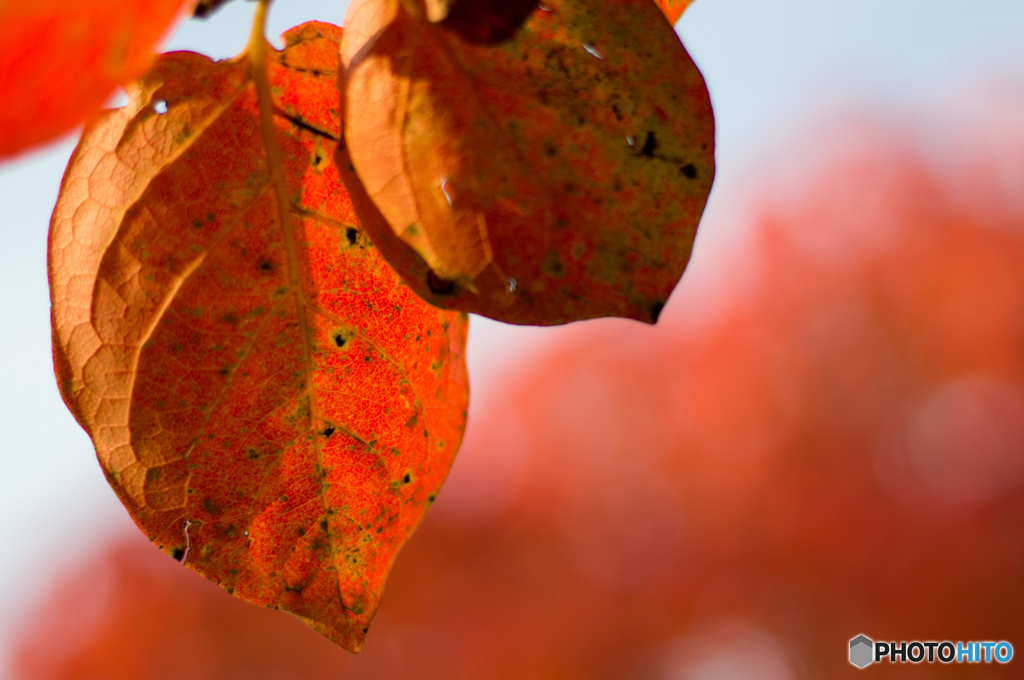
(257, 51)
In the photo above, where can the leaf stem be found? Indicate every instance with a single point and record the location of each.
(257, 50)
(258, 57)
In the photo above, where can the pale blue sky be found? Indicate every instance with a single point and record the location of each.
(771, 67)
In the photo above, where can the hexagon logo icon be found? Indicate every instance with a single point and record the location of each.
(861, 648)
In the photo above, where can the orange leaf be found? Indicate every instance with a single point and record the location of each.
(272, 405)
(673, 9)
(554, 176)
(60, 60)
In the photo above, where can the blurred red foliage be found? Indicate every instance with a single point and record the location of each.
(840, 451)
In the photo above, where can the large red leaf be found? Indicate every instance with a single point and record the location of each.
(272, 405)
(59, 60)
(553, 175)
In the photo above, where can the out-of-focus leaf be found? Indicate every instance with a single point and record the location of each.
(129, 613)
(273, 406)
(554, 176)
(60, 60)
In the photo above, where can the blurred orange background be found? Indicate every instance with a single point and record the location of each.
(838, 449)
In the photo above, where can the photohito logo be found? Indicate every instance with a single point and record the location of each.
(864, 651)
(861, 651)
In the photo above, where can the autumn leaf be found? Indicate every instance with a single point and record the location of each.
(272, 405)
(673, 9)
(60, 60)
(556, 175)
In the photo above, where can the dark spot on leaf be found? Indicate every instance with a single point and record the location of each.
(225, 370)
(650, 144)
(351, 235)
(550, 149)
(555, 59)
(488, 21)
(553, 265)
(328, 431)
(303, 125)
(431, 498)
(656, 311)
(178, 554)
(266, 266)
(689, 171)
(323, 524)
(438, 285)
(339, 340)
(407, 478)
